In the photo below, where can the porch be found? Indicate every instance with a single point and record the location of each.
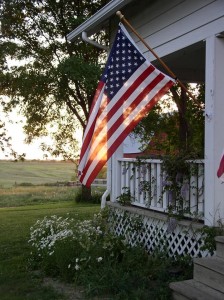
(145, 183)
(145, 208)
(188, 35)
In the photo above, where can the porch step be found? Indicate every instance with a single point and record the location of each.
(210, 271)
(194, 290)
(208, 281)
(219, 246)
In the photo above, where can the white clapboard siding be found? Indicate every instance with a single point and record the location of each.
(172, 25)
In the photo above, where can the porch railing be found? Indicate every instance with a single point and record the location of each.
(148, 187)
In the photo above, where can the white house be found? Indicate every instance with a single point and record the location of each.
(189, 36)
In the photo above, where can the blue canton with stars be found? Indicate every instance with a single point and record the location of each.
(123, 61)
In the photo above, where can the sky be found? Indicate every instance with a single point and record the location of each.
(15, 131)
(33, 151)
(14, 125)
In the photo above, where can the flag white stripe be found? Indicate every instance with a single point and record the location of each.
(92, 118)
(121, 109)
(94, 113)
(122, 127)
(105, 112)
(120, 93)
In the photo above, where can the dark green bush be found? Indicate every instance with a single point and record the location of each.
(95, 198)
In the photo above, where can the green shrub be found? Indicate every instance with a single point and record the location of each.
(95, 198)
(87, 253)
(25, 184)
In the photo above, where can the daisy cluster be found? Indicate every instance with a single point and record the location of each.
(46, 232)
(79, 238)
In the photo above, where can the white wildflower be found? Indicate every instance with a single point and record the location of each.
(99, 259)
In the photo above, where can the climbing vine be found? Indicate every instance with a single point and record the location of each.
(179, 185)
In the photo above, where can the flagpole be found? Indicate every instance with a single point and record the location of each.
(125, 21)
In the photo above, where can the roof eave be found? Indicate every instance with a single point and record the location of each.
(94, 23)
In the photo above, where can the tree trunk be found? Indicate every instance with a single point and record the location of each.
(183, 123)
(184, 132)
(86, 194)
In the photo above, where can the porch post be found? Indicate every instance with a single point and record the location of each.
(214, 129)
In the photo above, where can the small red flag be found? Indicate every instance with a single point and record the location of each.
(220, 171)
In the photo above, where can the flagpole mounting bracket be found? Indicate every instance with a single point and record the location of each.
(87, 40)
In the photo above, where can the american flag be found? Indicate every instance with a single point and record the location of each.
(129, 87)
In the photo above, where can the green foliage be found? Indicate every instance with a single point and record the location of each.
(17, 280)
(103, 173)
(5, 142)
(104, 264)
(125, 198)
(95, 197)
(210, 233)
(50, 80)
(178, 171)
(176, 124)
(180, 177)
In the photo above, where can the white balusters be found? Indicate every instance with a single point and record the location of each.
(145, 181)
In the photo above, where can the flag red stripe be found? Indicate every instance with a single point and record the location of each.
(126, 130)
(139, 117)
(120, 120)
(96, 96)
(133, 88)
(125, 96)
(122, 99)
(88, 136)
(135, 103)
(130, 90)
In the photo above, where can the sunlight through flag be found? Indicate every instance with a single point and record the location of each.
(129, 88)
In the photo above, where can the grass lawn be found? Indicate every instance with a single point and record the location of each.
(17, 282)
(20, 196)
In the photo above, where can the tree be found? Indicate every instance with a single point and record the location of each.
(180, 119)
(50, 80)
(6, 146)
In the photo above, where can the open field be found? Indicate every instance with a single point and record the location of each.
(35, 172)
(22, 196)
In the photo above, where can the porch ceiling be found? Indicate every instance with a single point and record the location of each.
(188, 63)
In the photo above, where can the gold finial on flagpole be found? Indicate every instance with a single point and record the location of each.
(119, 14)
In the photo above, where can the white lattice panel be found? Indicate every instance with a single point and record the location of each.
(156, 234)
